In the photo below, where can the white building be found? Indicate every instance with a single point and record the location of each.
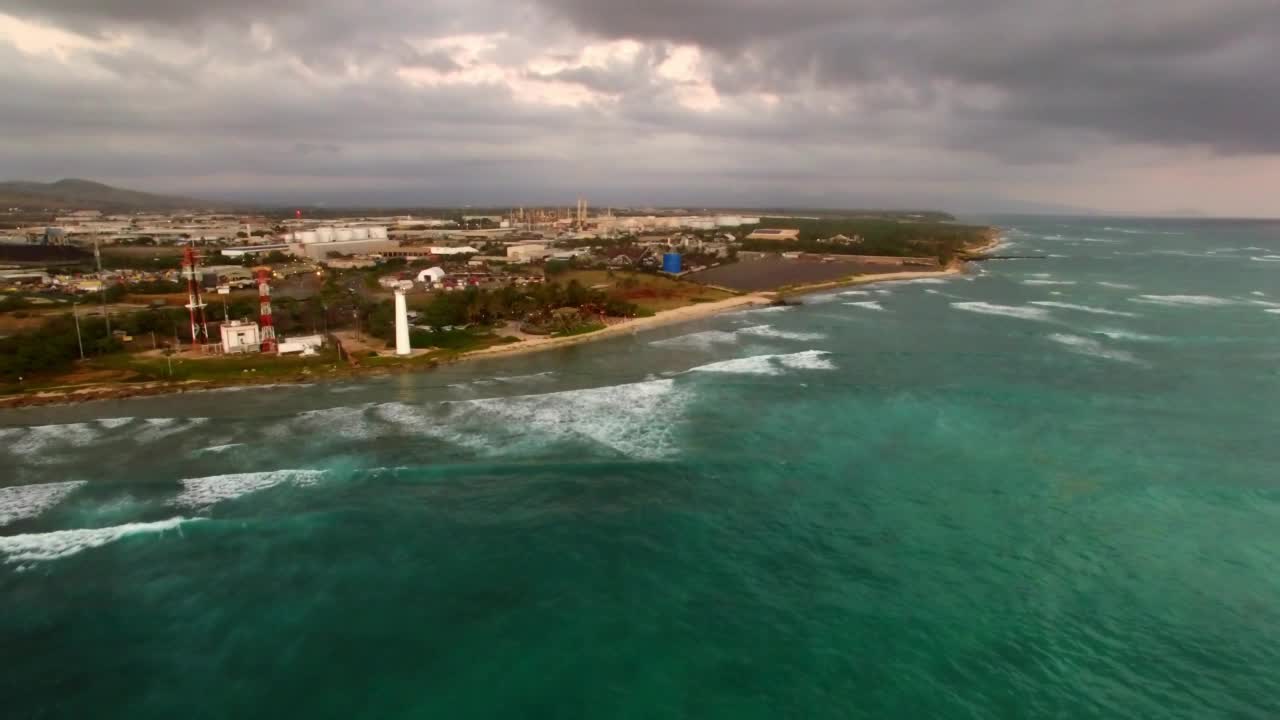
(463, 250)
(305, 344)
(431, 275)
(527, 253)
(239, 336)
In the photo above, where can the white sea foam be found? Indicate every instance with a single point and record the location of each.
(851, 293)
(1048, 282)
(700, 340)
(1266, 258)
(770, 364)
(38, 547)
(808, 360)
(339, 389)
(206, 491)
(1258, 293)
(916, 281)
(1091, 347)
(27, 501)
(520, 379)
(1041, 275)
(1273, 311)
(639, 420)
(36, 444)
(1116, 285)
(1098, 240)
(1127, 335)
(1023, 313)
(154, 429)
(769, 309)
(1183, 300)
(342, 422)
(113, 423)
(1082, 308)
(867, 305)
(219, 448)
(769, 331)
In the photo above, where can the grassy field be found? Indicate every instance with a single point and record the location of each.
(654, 293)
(221, 368)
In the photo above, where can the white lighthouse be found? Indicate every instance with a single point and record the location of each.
(402, 325)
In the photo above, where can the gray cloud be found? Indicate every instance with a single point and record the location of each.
(785, 101)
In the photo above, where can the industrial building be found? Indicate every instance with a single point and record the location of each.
(527, 253)
(240, 336)
(774, 234)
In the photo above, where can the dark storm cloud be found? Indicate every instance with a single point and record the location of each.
(859, 90)
(91, 14)
(1157, 71)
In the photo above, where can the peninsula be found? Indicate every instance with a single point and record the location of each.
(112, 305)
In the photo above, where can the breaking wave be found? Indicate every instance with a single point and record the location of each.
(27, 501)
(1127, 335)
(1116, 285)
(203, 492)
(1048, 282)
(1183, 300)
(701, 340)
(1013, 311)
(637, 420)
(219, 448)
(916, 281)
(1091, 347)
(37, 444)
(867, 304)
(1082, 308)
(1266, 258)
(771, 332)
(770, 364)
(38, 547)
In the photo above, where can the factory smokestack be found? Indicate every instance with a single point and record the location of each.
(402, 325)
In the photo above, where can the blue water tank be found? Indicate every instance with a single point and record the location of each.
(671, 263)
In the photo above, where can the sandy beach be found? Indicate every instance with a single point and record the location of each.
(623, 327)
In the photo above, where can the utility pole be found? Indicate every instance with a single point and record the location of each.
(79, 341)
(97, 256)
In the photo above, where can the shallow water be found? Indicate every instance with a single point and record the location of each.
(1047, 488)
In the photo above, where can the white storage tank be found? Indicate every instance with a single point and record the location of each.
(377, 233)
(360, 233)
(324, 234)
(306, 237)
(343, 235)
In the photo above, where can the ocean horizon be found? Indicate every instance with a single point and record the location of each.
(1044, 487)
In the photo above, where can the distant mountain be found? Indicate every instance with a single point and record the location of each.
(88, 195)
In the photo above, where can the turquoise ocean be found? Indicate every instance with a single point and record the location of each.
(1047, 488)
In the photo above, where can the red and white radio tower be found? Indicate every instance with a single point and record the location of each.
(265, 326)
(199, 328)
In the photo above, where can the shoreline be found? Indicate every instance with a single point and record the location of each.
(689, 313)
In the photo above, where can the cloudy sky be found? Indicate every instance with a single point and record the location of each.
(1151, 106)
